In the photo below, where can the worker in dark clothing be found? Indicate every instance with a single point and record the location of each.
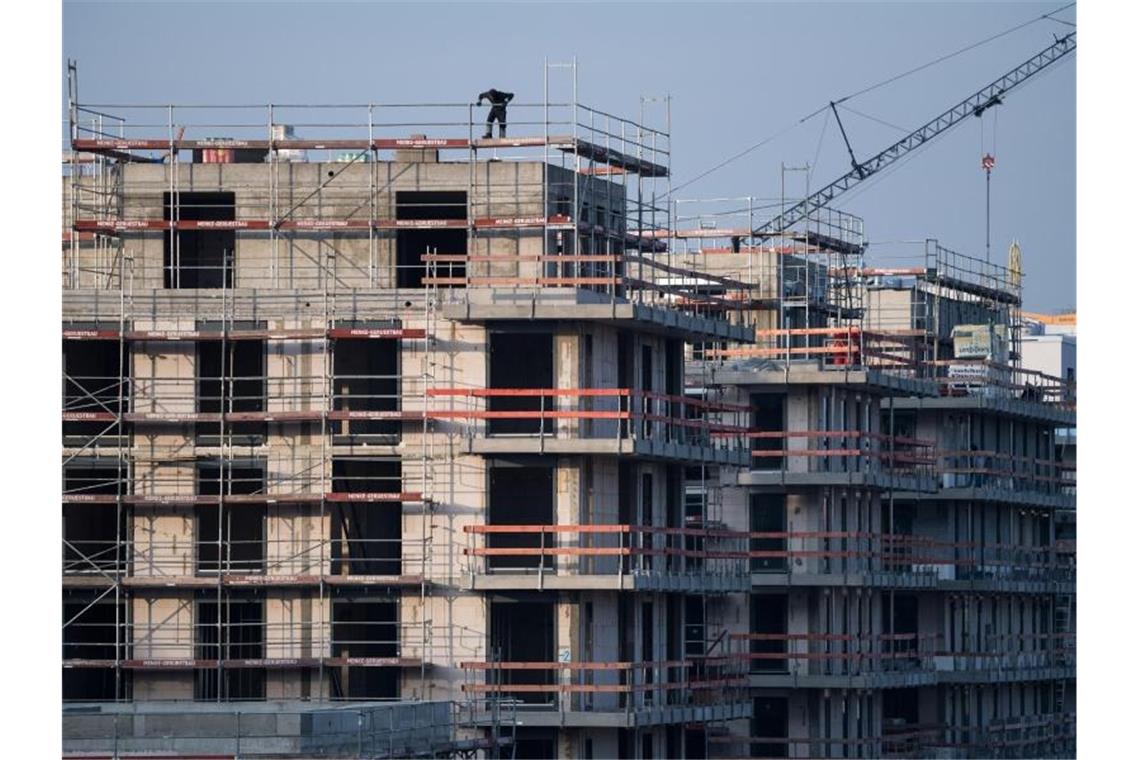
(498, 101)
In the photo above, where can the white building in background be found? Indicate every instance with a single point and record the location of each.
(1049, 344)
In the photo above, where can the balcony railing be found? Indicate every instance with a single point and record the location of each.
(1005, 471)
(938, 559)
(843, 654)
(834, 451)
(838, 653)
(607, 550)
(609, 686)
(619, 414)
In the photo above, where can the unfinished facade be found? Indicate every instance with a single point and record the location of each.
(405, 424)
(909, 503)
(379, 444)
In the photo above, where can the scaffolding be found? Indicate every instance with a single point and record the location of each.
(221, 387)
(801, 296)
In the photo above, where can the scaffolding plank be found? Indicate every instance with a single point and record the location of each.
(533, 220)
(398, 143)
(389, 333)
(253, 581)
(605, 155)
(155, 500)
(192, 417)
(119, 226)
(172, 663)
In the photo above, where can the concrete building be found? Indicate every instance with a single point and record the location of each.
(410, 426)
(910, 503)
(492, 431)
(1049, 345)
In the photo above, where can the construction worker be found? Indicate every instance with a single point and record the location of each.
(498, 101)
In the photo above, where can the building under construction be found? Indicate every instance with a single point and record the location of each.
(385, 440)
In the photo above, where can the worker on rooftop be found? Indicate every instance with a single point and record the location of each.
(498, 111)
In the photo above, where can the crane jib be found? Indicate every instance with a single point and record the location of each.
(989, 96)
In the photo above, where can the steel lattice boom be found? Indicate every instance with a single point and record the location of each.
(975, 105)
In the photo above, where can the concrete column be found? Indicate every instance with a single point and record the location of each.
(567, 511)
(568, 650)
(567, 374)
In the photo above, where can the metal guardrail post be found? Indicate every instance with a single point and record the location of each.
(237, 735)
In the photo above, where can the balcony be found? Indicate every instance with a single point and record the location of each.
(825, 660)
(613, 694)
(606, 557)
(647, 293)
(977, 475)
(1042, 735)
(824, 558)
(594, 421)
(839, 457)
(1008, 657)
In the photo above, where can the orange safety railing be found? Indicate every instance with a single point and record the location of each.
(959, 377)
(616, 277)
(610, 686)
(856, 654)
(859, 551)
(607, 550)
(1002, 470)
(895, 742)
(1000, 737)
(1028, 736)
(839, 653)
(840, 451)
(594, 413)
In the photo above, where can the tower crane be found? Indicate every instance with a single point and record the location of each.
(975, 105)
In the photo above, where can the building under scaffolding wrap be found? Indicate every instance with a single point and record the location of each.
(381, 439)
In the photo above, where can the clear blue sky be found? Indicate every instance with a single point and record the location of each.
(737, 73)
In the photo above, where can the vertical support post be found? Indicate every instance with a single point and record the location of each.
(373, 257)
(273, 186)
(224, 483)
(175, 211)
(120, 476)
